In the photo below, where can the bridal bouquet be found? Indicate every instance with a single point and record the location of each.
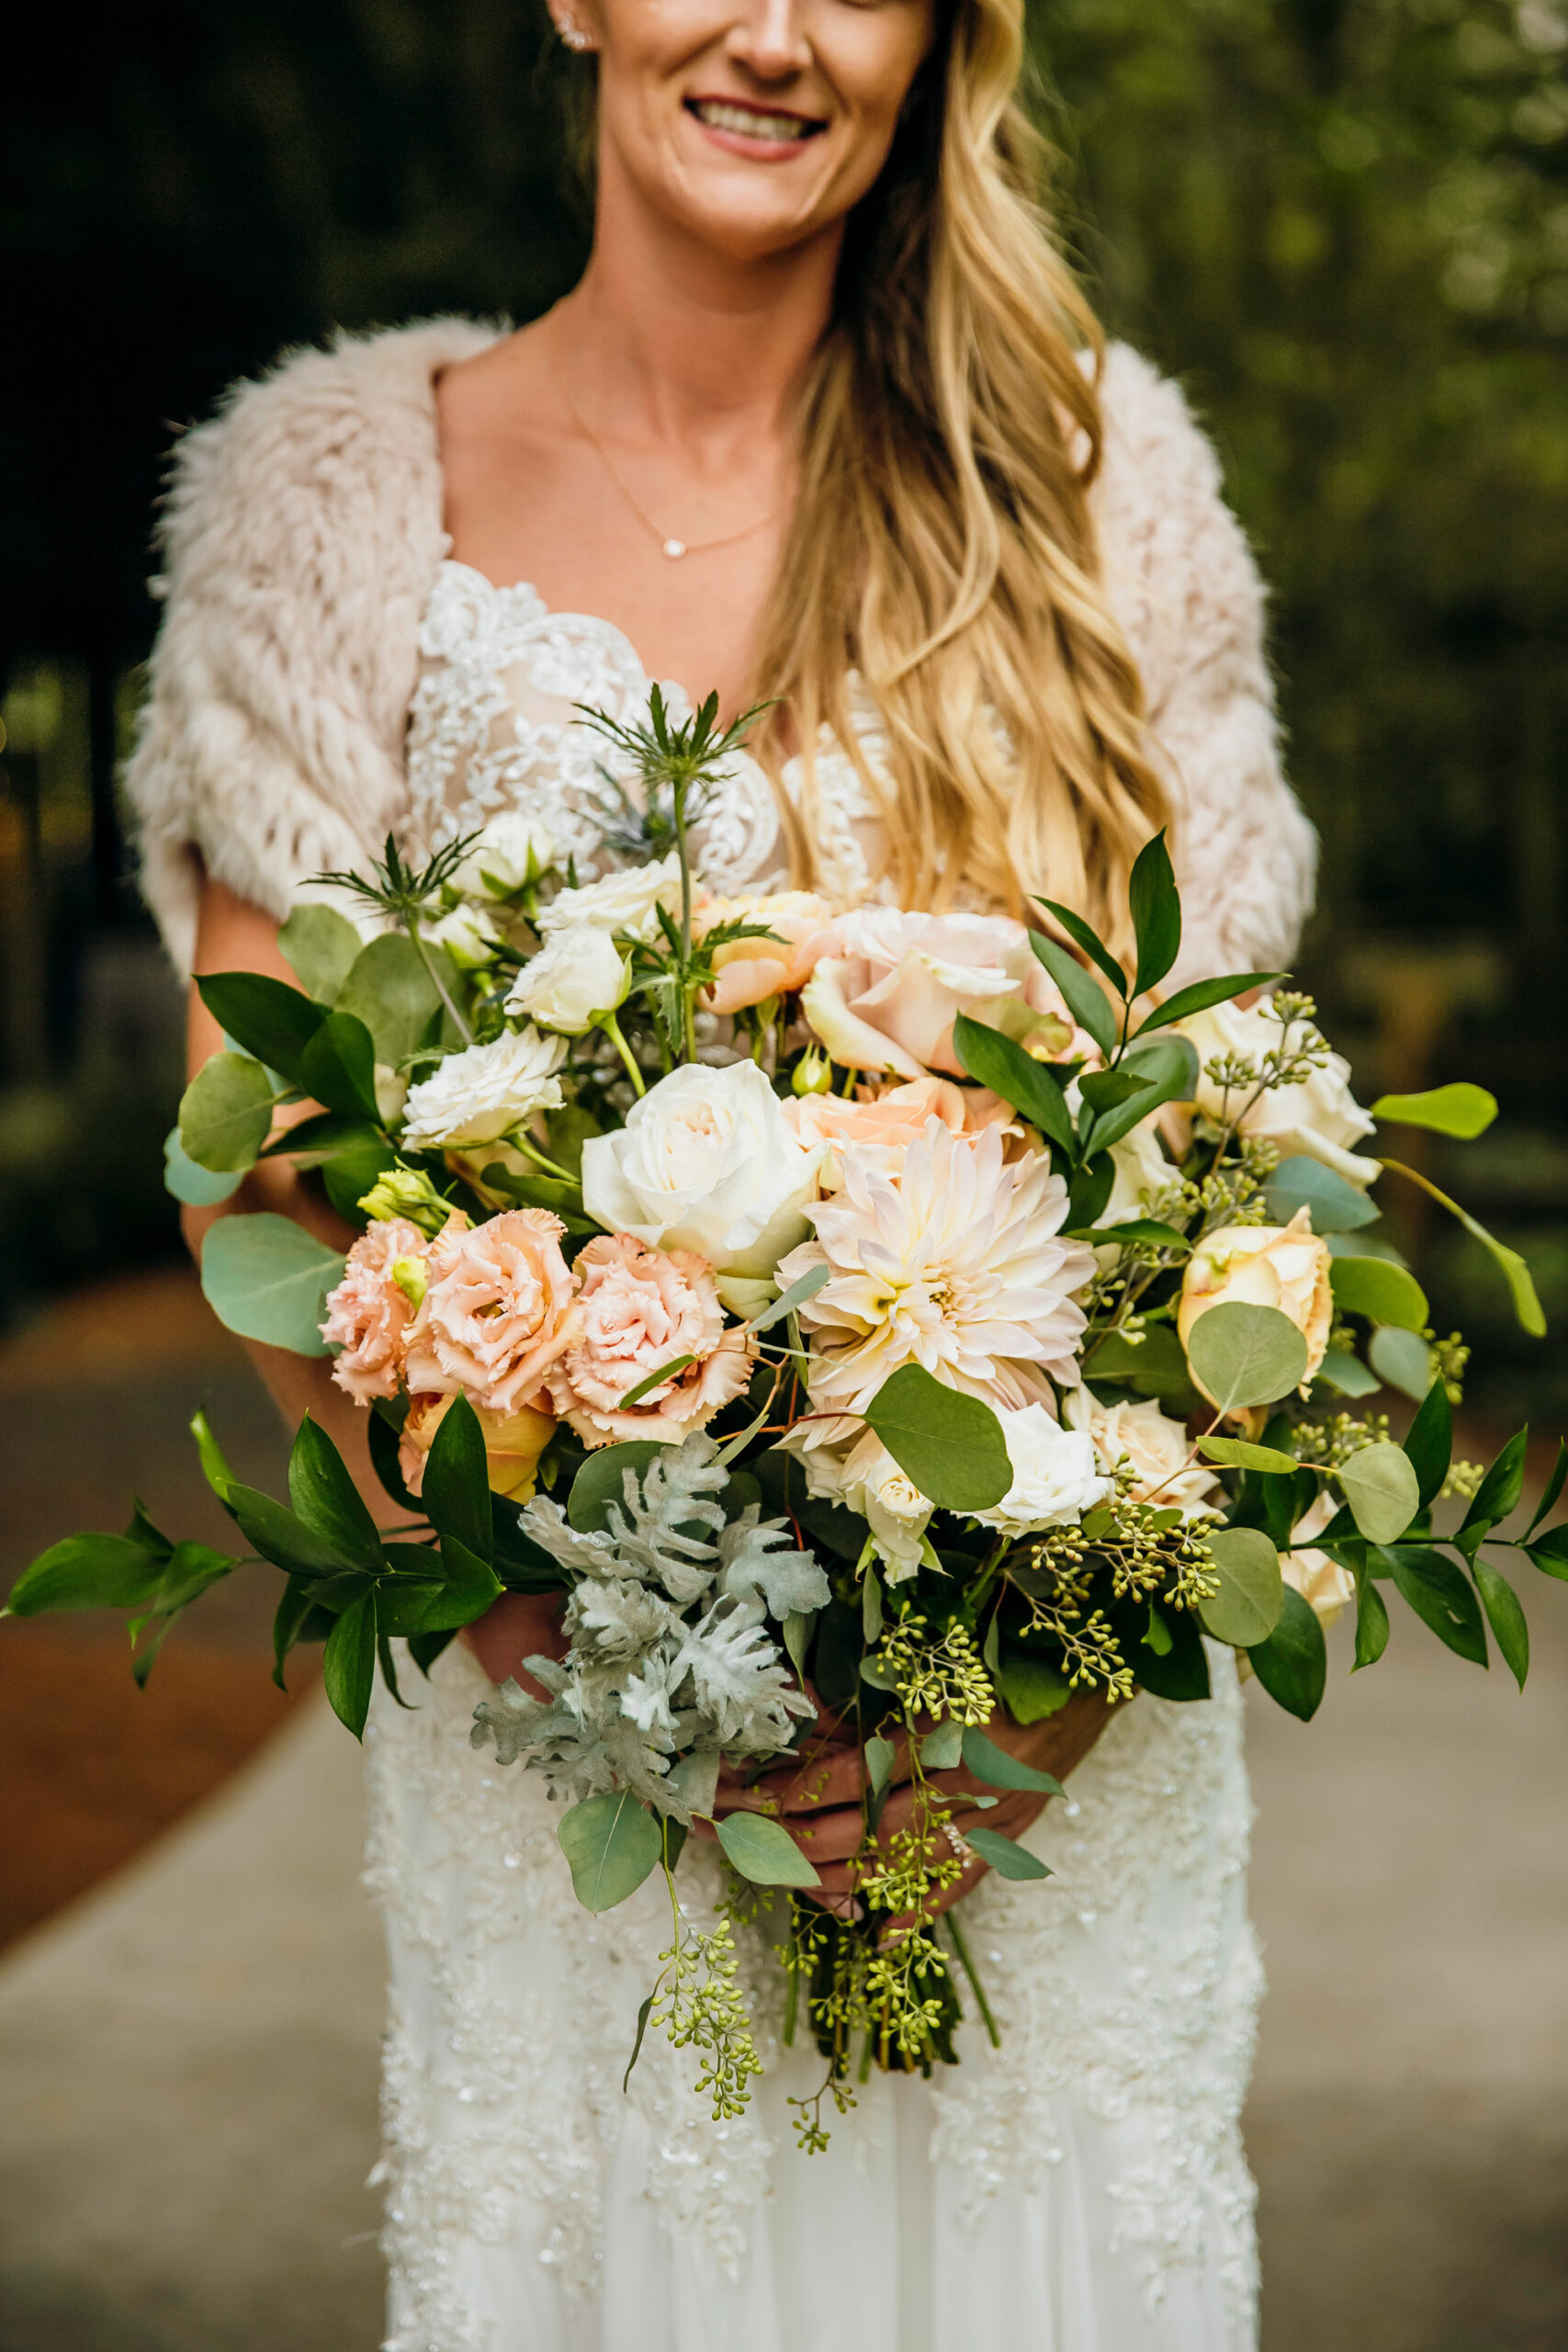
(885, 1324)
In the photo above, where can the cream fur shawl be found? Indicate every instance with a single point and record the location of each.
(303, 528)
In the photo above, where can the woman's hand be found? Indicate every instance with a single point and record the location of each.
(819, 1796)
(518, 1625)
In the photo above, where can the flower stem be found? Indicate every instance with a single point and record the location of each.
(612, 1028)
(550, 1167)
(962, 1948)
(437, 983)
(688, 994)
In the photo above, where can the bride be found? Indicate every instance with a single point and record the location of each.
(825, 421)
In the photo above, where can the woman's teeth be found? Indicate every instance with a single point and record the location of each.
(781, 128)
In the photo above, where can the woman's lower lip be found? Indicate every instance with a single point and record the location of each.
(757, 151)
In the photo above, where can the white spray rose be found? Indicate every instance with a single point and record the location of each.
(705, 1161)
(625, 902)
(1150, 1443)
(467, 934)
(867, 1479)
(1056, 1478)
(579, 973)
(1320, 1119)
(477, 1096)
(509, 852)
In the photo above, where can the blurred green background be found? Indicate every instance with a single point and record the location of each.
(1343, 223)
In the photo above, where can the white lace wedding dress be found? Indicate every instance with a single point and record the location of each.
(1081, 2189)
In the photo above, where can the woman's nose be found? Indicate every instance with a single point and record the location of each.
(769, 39)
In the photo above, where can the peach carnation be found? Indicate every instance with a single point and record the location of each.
(498, 1310)
(641, 1308)
(368, 1315)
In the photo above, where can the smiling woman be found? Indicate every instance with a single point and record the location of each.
(827, 424)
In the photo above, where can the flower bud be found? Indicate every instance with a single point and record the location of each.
(813, 1073)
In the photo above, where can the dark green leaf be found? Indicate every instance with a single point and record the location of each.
(454, 1492)
(1548, 1502)
(1382, 1292)
(279, 1536)
(1429, 1442)
(86, 1572)
(1245, 1608)
(1549, 1553)
(763, 1852)
(1091, 1187)
(337, 1067)
(1335, 1204)
(267, 1278)
(1005, 1855)
(382, 1438)
(403, 1605)
(948, 1444)
(1084, 998)
(190, 1570)
(265, 1017)
(1497, 1497)
(1242, 1355)
(1090, 941)
(1182, 1674)
(1157, 913)
(993, 1765)
(142, 1530)
(1203, 994)
(1441, 1597)
(1292, 1663)
(1107, 1090)
(1371, 1623)
(471, 1588)
(1505, 1617)
(1459, 1110)
(289, 1616)
(998, 1062)
(1169, 1066)
(329, 1502)
(352, 1173)
(425, 1648)
(226, 1114)
(348, 1668)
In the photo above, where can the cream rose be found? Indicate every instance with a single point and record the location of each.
(1146, 1441)
(707, 1162)
(368, 1313)
(1319, 1119)
(514, 1442)
(508, 853)
(1056, 1478)
(578, 974)
(888, 985)
(750, 969)
(484, 1093)
(1323, 1584)
(879, 1126)
(499, 1306)
(639, 1308)
(628, 902)
(1283, 1266)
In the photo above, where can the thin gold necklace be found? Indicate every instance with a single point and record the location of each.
(674, 548)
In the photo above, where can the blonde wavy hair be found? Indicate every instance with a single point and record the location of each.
(941, 544)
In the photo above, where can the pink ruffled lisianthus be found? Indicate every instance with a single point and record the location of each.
(499, 1309)
(642, 1307)
(368, 1315)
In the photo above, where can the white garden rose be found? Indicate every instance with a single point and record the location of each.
(1142, 1172)
(1320, 1119)
(509, 852)
(625, 902)
(1323, 1584)
(467, 934)
(479, 1095)
(1056, 1478)
(705, 1161)
(1150, 1443)
(579, 973)
(868, 1480)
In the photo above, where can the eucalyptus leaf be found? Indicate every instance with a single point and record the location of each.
(612, 1843)
(1241, 1456)
(602, 1481)
(1346, 1372)
(1292, 1663)
(790, 1301)
(1242, 1355)
(1005, 1855)
(763, 1852)
(1402, 1359)
(389, 989)
(1334, 1204)
(319, 945)
(1245, 1608)
(1459, 1110)
(198, 1188)
(1033, 1687)
(654, 1379)
(997, 1770)
(950, 1445)
(943, 1750)
(1382, 1292)
(880, 1755)
(267, 1278)
(1383, 1491)
(226, 1114)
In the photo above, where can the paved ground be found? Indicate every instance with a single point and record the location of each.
(187, 2056)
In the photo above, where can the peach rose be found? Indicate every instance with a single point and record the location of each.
(514, 1442)
(881, 1122)
(497, 1312)
(888, 987)
(368, 1315)
(640, 1308)
(1283, 1266)
(750, 969)
(1145, 1441)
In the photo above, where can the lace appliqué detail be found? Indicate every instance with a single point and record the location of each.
(511, 2016)
(491, 727)
(1129, 1988)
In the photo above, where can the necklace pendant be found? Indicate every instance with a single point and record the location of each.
(674, 550)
